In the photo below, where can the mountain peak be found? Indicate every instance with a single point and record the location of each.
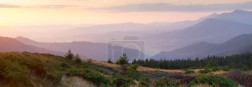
(21, 37)
(24, 39)
(239, 11)
(213, 15)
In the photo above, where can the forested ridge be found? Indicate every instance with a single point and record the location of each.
(239, 61)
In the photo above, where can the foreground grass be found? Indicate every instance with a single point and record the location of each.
(31, 69)
(46, 70)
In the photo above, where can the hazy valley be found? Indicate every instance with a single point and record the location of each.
(139, 43)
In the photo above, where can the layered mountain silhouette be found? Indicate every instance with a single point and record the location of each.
(237, 45)
(238, 16)
(216, 29)
(209, 30)
(208, 35)
(97, 51)
(11, 44)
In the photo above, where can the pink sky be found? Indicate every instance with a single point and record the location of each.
(75, 12)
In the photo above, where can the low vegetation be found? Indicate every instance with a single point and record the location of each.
(189, 71)
(215, 81)
(240, 61)
(166, 82)
(32, 70)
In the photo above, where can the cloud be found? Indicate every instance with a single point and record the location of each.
(170, 7)
(55, 6)
(37, 6)
(9, 6)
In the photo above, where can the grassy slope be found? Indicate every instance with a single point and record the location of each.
(31, 69)
(149, 69)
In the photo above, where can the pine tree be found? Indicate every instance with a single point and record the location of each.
(109, 61)
(77, 60)
(69, 55)
(123, 61)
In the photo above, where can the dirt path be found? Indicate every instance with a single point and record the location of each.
(105, 66)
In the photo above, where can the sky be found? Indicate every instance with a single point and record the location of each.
(78, 12)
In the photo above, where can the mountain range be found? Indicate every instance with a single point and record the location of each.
(11, 44)
(217, 29)
(237, 45)
(210, 35)
(88, 50)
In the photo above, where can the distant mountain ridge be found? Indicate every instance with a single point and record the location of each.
(97, 51)
(206, 32)
(210, 30)
(240, 44)
(241, 16)
(215, 28)
(11, 44)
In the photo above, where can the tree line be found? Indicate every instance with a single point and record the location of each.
(234, 61)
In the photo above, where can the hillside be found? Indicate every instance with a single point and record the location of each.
(241, 16)
(11, 44)
(216, 29)
(88, 50)
(237, 45)
(33, 70)
(46, 70)
(209, 30)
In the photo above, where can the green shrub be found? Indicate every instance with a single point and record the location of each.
(64, 65)
(90, 75)
(216, 68)
(121, 80)
(133, 74)
(69, 55)
(133, 67)
(226, 68)
(123, 60)
(205, 71)
(245, 68)
(48, 69)
(166, 82)
(216, 81)
(188, 71)
(77, 59)
(89, 61)
(13, 71)
(109, 61)
(144, 82)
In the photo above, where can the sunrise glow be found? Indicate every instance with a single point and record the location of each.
(39, 12)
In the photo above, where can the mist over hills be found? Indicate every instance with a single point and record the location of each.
(241, 16)
(219, 35)
(209, 30)
(11, 44)
(179, 39)
(97, 51)
(103, 33)
(237, 45)
(215, 28)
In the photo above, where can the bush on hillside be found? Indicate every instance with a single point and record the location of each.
(133, 67)
(13, 71)
(188, 71)
(226, 68)
(215, 81)
(109, 61)
(166, 82)
(205, 71)
(121, 80)
(69, 55)
(77, 59)
(144, 82)
(90, 75)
